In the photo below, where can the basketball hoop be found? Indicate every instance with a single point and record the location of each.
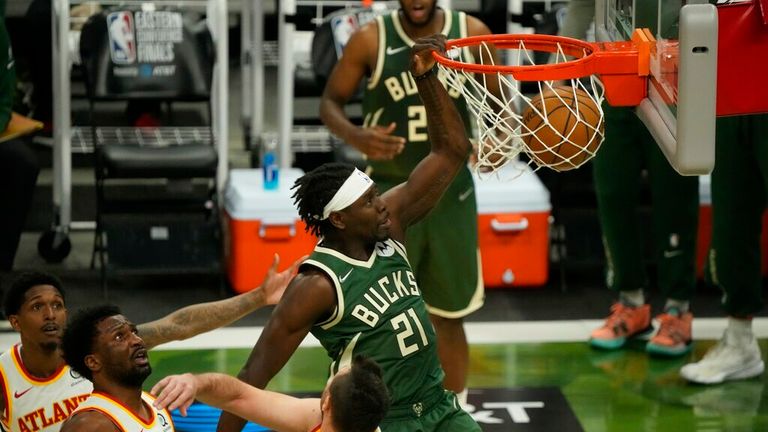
(518, 123)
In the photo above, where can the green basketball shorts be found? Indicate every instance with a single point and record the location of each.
(444, 416)
(443, 251)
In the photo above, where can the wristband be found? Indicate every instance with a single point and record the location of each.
(423, 76)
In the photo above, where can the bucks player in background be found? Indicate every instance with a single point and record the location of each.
(739, 188)
(18, 164)
(357, 292)
(394, 139)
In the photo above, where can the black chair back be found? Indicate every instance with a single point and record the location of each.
(331, 37)
(130, 54)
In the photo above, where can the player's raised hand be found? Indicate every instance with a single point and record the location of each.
(421, 54)
(175, 391)
(274, 283)
(378, 143)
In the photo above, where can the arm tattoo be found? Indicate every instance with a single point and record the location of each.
(200, 318)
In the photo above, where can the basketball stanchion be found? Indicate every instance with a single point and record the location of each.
(560, 127)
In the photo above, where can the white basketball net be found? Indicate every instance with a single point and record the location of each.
(501, 132)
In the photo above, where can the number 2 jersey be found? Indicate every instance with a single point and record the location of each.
(391, 94)
(381, 315)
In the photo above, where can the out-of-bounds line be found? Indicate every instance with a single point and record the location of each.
(477, 333)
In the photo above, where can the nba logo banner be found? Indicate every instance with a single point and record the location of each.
(122, 42)
(343, 26)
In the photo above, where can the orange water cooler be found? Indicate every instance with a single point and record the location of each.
(513, 227)
(260, 223)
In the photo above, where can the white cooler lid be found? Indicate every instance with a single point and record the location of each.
(246, 199)
(506, 191)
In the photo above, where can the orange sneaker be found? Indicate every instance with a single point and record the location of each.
(625, 322)
(674, 335)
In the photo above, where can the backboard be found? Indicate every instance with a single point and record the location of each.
(679, 109)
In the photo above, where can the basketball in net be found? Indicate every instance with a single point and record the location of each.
(562, 128)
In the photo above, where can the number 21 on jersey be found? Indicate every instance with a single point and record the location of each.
(408, 342)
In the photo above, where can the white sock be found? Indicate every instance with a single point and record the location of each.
(739, 330)
(462, 398)
(633, 298)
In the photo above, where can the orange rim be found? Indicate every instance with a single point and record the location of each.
(622, 66)
(580, 67)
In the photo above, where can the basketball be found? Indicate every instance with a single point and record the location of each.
(562, 128)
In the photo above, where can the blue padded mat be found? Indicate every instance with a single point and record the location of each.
(203, 418)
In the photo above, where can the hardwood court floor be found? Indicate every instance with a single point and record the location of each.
(606, 391)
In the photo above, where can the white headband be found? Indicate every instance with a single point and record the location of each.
(353, 188)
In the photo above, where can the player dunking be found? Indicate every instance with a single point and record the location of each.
(394, 139)
(357, 293)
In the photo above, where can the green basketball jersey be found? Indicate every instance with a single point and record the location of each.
(380, 314)
(391, 94)
(7, 72)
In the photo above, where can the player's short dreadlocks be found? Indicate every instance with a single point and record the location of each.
(315, 189)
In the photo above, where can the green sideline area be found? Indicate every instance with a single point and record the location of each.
(606, 391)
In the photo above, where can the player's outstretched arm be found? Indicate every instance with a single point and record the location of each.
(376, 141)
(200, 318)
(273, 410)
(309, 298)
(413, 199)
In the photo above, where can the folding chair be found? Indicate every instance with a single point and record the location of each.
(156, 208)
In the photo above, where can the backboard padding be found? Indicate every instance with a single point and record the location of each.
(680, 108)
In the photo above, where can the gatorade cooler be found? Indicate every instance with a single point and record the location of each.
(260, 223)
(704, 237)
(513, 227)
